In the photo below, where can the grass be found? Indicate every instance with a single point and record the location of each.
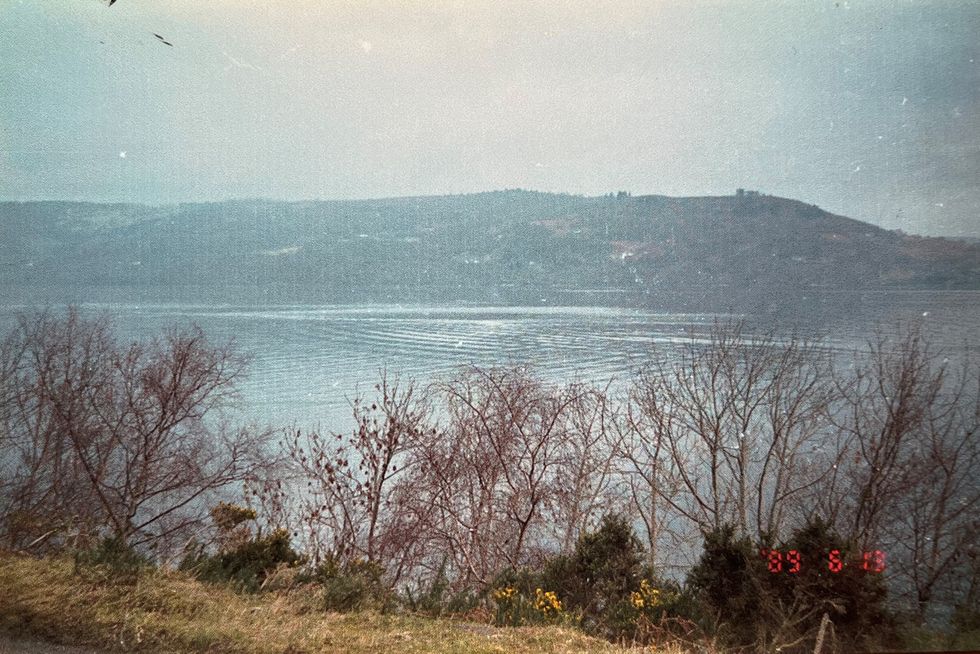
(924, 639)
(163, 611)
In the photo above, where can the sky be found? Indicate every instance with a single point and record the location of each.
(870, 109)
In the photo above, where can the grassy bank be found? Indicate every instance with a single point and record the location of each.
(167, 611)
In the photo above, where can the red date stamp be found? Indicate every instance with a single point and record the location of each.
(792, 561)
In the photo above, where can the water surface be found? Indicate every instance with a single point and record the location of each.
(308, 360)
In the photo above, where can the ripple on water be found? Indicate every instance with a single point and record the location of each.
(306, 359)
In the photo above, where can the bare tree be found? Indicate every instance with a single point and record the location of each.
(885, 398)
(45, 487)
(352, 503)
(934, 529)
(722, 434)
(490, 473)
(910, 425)
(586, 466)
(129, 440)
(652, 476)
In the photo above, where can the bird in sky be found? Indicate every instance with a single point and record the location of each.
(162, 40)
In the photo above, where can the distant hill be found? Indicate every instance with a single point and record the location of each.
(511, 246)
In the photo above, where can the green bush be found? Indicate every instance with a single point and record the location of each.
(854, 599)
(516, 609)
(114, 555)
(597, 578)
(246, 565)
(756, 608)
(726, 581)
(228, 517)
(353, 585)
(966, 626)
(660, 610)
(602, 586)
(436, 598)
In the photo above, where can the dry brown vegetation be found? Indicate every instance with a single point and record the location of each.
(170, 612)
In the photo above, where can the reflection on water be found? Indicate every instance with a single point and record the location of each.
(307, 359)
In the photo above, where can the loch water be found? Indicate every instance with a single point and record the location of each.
(308, 361)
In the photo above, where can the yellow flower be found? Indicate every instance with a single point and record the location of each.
(547, 603)
(646, 597)
(506, 594)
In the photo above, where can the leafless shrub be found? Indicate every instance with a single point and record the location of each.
(588, 485)
(908, 480)
(725, 434)
(101, 438)
(352, 505)
(489, 474)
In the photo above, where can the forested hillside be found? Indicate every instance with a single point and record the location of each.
(514, 246)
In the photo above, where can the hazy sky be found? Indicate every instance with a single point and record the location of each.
(867, 109)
